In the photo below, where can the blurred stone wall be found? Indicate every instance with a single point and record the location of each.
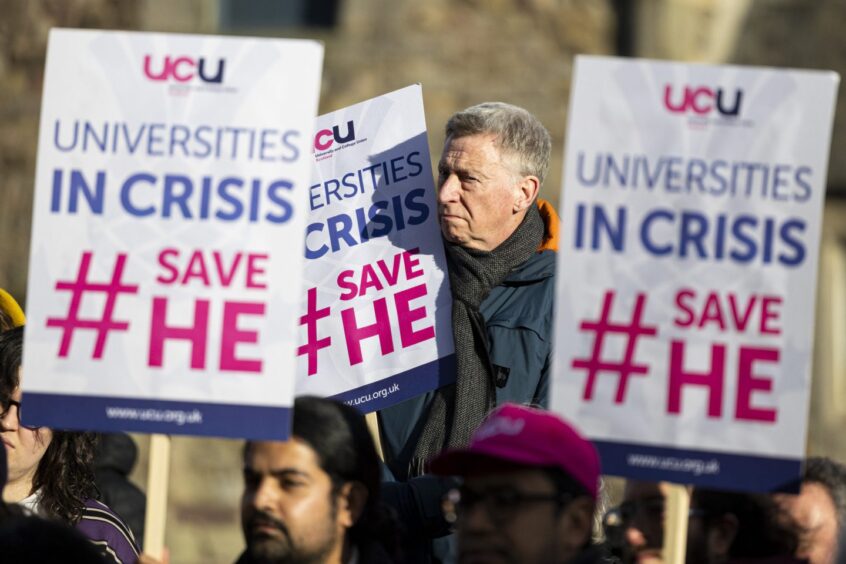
(24, 27)
(806, 34)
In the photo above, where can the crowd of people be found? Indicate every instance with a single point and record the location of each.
(474, 472)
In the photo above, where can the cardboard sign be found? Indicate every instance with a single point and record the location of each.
(170, 168)
(692, 204)
(375, 326)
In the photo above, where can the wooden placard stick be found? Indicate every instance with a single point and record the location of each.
(675, 524)
(157, 485)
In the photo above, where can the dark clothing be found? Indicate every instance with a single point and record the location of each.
(785, 559)
(370, 553)
(113, 462)
(34, 540)
(106, 531)
(594, 554)
(518, 316)
(457, 409)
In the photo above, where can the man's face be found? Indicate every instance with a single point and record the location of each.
(479, 194)
(814, 512)
(496, 530)
(642, 514)
(24, 449)
(289, 511)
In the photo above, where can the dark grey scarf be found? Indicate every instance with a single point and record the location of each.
(459, 408)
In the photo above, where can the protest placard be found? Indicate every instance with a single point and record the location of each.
(692, 200)
(375, 323)
(169, 212)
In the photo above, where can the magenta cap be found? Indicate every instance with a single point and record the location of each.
(524, 436)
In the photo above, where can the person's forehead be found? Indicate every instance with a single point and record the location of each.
(472, 149)
(270, 456)
(814, 503)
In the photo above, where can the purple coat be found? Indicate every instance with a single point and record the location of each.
(107, 531)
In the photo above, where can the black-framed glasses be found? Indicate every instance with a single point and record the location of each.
(500, 503)
(6, 405)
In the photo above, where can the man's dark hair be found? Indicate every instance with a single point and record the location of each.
(764, 529)
(64, 474)
(339, 436)
(831, 475)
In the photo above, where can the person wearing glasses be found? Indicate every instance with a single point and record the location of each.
(50, 471)
(530, 487)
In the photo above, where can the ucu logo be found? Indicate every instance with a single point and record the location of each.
(325, 138)
(183, 69)
(499, 426)
(702, 100)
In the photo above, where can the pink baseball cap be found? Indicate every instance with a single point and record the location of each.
(515, 435)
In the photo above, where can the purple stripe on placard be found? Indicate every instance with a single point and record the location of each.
(400, 387)
(709, 469)
(96, 413)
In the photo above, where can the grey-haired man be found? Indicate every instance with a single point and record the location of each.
(501, 244)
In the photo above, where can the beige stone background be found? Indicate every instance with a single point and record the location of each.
(463, 52)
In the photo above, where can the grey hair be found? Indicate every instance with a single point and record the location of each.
(518, 133)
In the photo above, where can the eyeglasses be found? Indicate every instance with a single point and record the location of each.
(6, 405)
(500, 504)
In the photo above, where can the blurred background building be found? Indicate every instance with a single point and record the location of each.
(463, 52)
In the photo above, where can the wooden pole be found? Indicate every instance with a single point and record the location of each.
(373, 424)
(675, 524)
(157, 483)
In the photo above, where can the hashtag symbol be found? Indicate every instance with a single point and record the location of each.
(106, 322)
(594, 364)
(313, 314)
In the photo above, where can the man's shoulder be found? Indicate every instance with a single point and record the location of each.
(540, 266)
(527, 293)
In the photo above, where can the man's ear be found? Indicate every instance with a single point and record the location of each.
(575, 523)
(721, 535)
(351, 502)
(527, 191)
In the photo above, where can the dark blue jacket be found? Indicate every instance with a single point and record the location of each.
(519, 315)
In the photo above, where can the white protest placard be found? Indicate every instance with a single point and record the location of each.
(375, 323)
(692, 202)
(169, 212)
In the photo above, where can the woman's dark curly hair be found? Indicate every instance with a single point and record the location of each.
(64, 474)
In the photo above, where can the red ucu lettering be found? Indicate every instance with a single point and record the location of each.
(701, 100)
(182, 69)
(324, 138)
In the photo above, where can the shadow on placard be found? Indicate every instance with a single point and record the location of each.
(407, 206)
